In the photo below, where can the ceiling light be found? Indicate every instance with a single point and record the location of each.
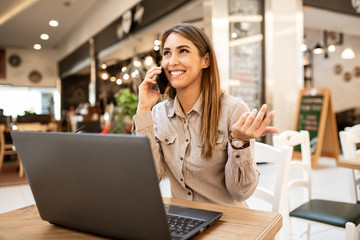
(54, 23)
(126, 76)
(44, 36)
(156, 48)
(148, 60)
(37, 46)
(234, 35)
(137, 63)
(118, 81)
(134, 73)
(348, 53)
(123, 69)
(318, 49)
(331, 48)
(303, 47)
(157, 42)
(103, 66)
(104, 76)
(112, 78)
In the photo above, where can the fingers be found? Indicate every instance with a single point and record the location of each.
(266, 121)
(259, 117)
(250, 118)
(253, 125)
(148, 97)
(242, 119)
(150, 76)
(269, 130)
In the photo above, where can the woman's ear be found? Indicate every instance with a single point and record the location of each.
(206, 61)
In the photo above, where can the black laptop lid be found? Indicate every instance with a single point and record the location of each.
(103, 184)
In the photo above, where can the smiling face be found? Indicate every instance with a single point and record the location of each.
(182, 63)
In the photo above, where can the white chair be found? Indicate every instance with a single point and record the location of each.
(349, 139)
(280, 159)
(337, 214)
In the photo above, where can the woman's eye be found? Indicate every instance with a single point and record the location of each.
(166, 53)
(184, 51)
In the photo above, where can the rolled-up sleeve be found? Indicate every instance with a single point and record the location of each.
(143, 124)
(241, 174)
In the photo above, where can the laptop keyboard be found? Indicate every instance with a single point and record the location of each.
(182, 225)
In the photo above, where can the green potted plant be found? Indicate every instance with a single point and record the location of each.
(121, 120)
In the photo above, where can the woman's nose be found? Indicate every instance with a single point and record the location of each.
(174, 59)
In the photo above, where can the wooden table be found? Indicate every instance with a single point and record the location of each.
(236, 223)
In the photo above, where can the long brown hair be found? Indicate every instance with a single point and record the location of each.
(210, 84)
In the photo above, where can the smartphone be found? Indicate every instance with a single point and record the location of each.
(162, 81)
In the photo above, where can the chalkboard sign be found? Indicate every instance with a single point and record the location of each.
(309, 118)
(315, 114)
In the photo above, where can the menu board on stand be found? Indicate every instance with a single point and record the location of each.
(315, 114)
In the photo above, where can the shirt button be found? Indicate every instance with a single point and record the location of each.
(237, 156)
(181, 158)
(189, 193)
(166, 139)
(181, 179)
(184, 121)
(187, 140)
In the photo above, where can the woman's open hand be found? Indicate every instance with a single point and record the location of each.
(253, 125)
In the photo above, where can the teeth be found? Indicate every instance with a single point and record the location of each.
(176, 73)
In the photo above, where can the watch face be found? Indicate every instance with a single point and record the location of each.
(238, 143)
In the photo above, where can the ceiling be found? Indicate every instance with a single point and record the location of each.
(23, 21)
(143, 40)
(332, 21)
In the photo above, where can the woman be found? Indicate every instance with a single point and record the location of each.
(202, 138)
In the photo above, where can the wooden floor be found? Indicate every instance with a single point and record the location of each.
(9, 174)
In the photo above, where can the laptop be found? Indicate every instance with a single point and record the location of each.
(104, 184)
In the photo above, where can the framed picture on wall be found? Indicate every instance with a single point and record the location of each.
(357, 71)
(2, 63)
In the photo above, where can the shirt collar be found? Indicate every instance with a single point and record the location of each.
(175, 107)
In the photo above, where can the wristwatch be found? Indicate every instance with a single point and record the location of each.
(238, 143)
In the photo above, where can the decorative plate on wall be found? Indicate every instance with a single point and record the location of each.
(357, 71)
(337, 69)
(347, 76)
(14, 60)
(35, 76)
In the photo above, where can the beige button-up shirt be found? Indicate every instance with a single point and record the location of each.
(229, 177)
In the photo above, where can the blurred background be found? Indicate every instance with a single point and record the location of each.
(74, 61)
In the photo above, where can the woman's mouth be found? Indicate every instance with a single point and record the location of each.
(176, 73)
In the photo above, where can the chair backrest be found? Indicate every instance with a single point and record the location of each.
(2, 144)
(353, 127)
(36, 126)
(280, 157)
(299, 176)
(5, 148)
(299, 169)
(349, 138)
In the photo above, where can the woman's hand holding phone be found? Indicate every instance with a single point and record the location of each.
(162, 82)
(148, 97)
